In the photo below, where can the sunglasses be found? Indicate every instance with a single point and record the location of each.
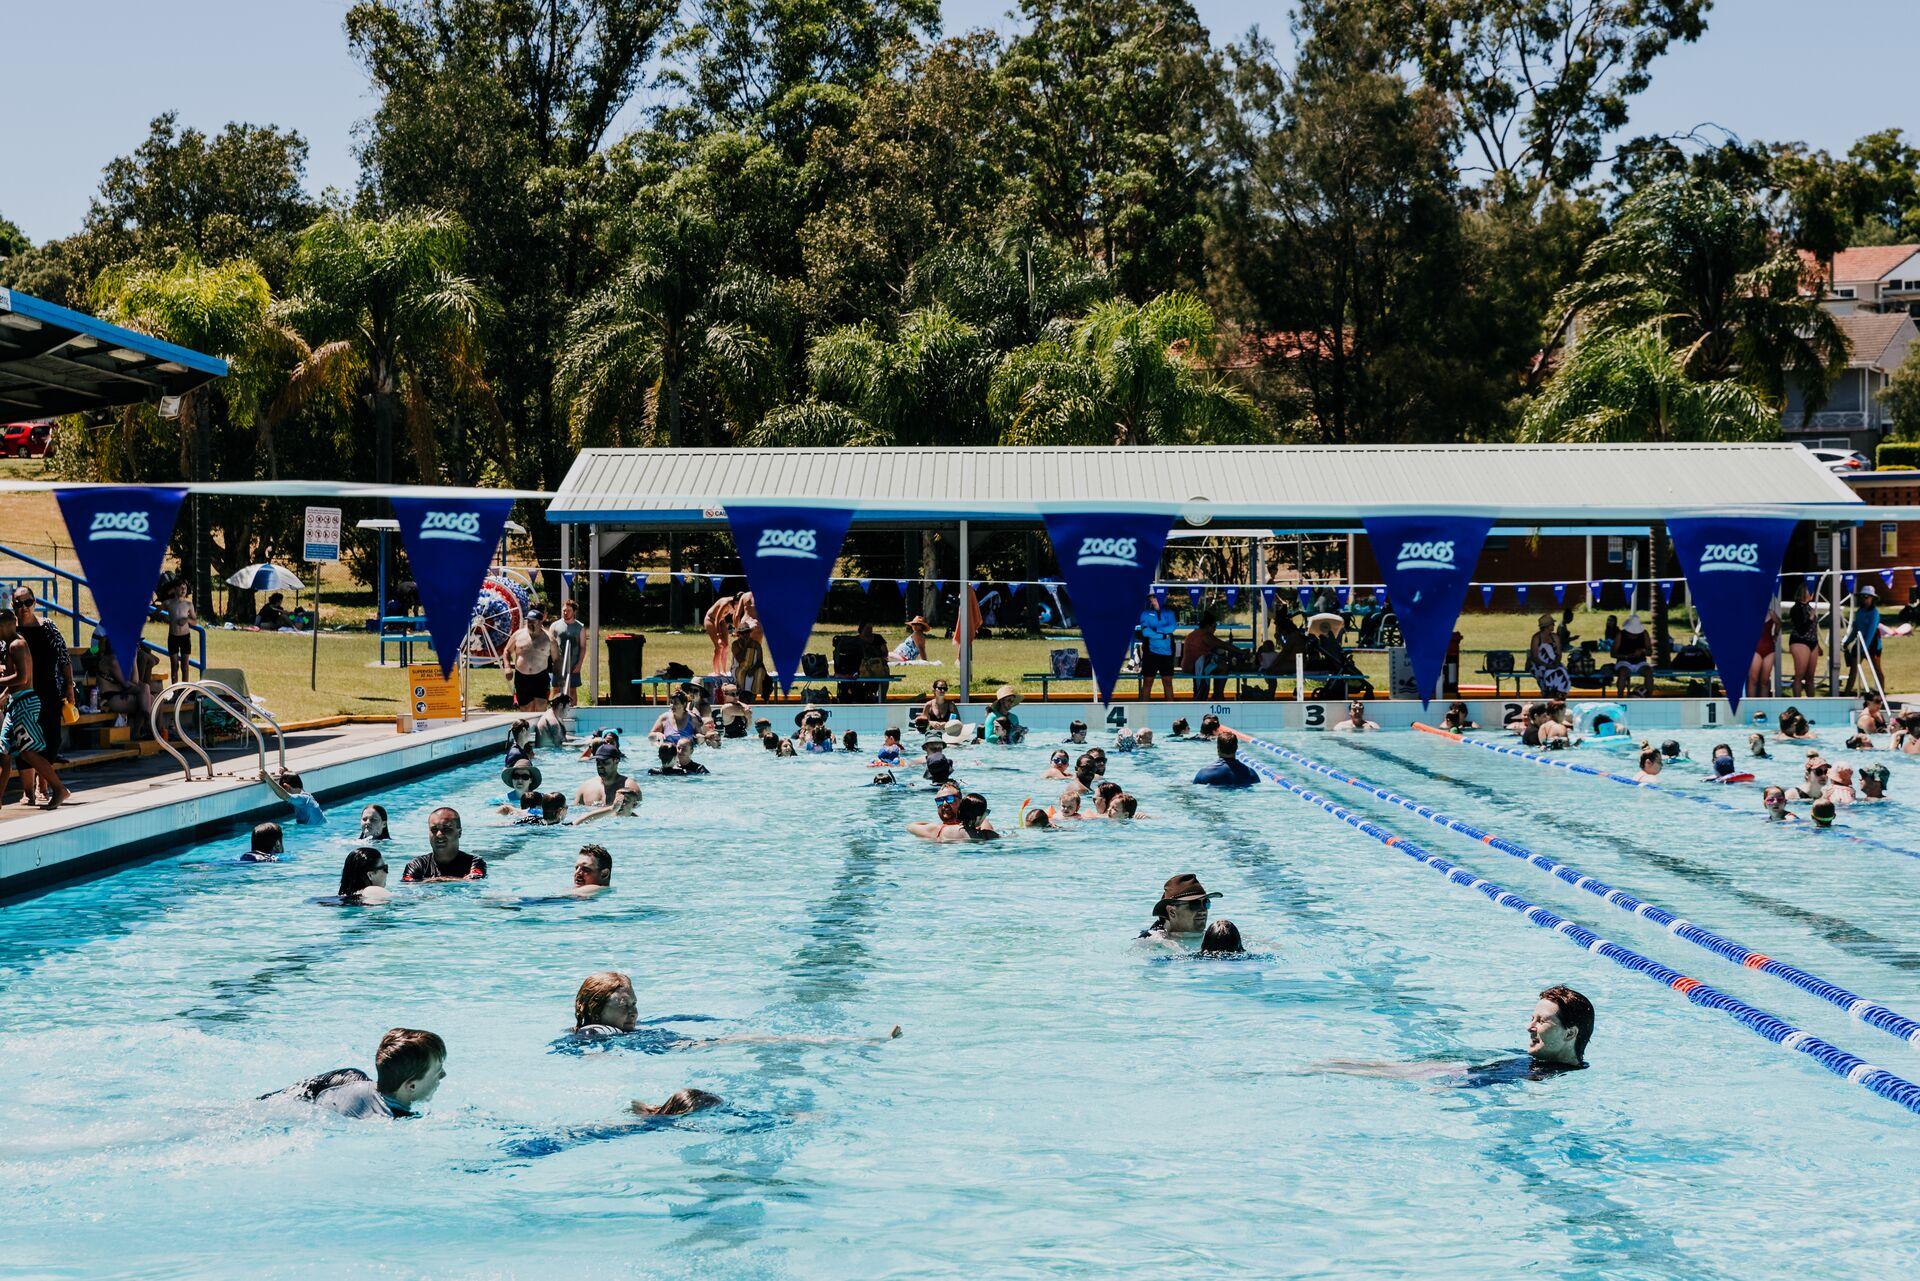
(522, 778)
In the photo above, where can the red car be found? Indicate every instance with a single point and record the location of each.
(25, 440)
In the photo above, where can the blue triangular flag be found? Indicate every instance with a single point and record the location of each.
(1886, 579)
(679, 580)
(566, 583)
(1520, 595)
(1193, 596)
(1160, 595)
(1593, 591)
(1233, 597)
(901, 583)
(121, 534)
(1267, 594)
(1812, 582)
(719, 582)
(939, 585)
(1732, 565)
(1429, 573)
(1486, 595)
(639, 582)
(1847, 581)
(866, 586)
(1109, 559)
(1343, 595)
(1666, 590)
(1627, 589)
(788, 554)
(1559, 593)
(450, 542)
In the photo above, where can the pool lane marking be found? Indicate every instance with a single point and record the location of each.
(1887, 1020)
(1574, 767)
(1875, 1080)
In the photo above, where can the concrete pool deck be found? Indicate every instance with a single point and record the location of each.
(125, 810)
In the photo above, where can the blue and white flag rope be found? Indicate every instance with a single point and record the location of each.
(1871, 1013)
(1575, 767)
(1876, 1080)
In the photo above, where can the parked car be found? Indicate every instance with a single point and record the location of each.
(1843, 460)
(25, 440)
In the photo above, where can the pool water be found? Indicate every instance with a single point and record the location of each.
(1061, 1103)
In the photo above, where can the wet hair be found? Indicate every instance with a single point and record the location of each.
(1576, 1012)
(1069, 802)
(1059, 756)
(1180, 726)
(1126, 803)
(381, 810)
(1209, 724)
(939, 771)
(850, 741)
(785, 747)
(770, 740)
(1670, 749)
(602, 860)
(266, 838)
(1822, 812)
(1649, 756)
(1221, 939)
(1723, 747)
(1036, 817)
(973, 808)
(1108, 790)
(892, 733)
(591, 1000)
(820, 732)
(356, 873)
(405, 1054)
(1077, 727)
(667, 752)
(1772, 790)
(680, 1103)
(552, 805)
(1227, 744)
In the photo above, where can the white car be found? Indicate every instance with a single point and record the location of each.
(1843, 460)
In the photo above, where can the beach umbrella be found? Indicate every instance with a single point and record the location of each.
(266, 578)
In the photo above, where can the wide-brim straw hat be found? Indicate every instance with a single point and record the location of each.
(1009, 695)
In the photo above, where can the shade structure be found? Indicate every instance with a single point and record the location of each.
(54, 360)
(266, 578)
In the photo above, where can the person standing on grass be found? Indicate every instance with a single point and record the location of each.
(52, 669)
(1156, 628)
(528, 660)
(568, 650)
(178, 607)
(20, 729)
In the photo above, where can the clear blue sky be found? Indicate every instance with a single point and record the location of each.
(83, 79)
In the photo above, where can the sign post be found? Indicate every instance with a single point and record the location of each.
(322, 544)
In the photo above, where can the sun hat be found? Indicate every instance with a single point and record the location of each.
(957, 731)
(1878, 773)
(1009, 695)
(1182, 887)
(807, 711)
(934, 745)
(1633, 626)
(506, 773)
(917, 623)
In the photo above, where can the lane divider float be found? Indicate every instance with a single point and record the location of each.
(1872, 1013)
(1575, 767)
(1874, 1079)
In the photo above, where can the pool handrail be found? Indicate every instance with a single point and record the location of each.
(229, 700)
(1872, 1013)
(1868, 1076)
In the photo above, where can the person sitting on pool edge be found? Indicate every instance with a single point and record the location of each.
(266, 845)
(444, 859)
(1229, 770)
(363, 878)
(409, 1066)
(1181, 913)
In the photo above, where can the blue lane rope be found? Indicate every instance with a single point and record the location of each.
(1575, 767)
(1871, 1013)
(1876, 1080)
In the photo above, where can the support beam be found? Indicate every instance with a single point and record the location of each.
(593, 614)
(1833, 611)
(961, 615)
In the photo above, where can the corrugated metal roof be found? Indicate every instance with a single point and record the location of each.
(1269, 484)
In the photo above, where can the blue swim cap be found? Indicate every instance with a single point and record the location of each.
(1723, 765)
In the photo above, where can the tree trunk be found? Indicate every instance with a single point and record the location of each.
(1657, 556)
(676, 594)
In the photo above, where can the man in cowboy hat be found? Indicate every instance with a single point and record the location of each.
(1181, 911)
(1633, 654)
(1002, 725)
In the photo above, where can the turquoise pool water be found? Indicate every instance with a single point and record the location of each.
(1060, 1104)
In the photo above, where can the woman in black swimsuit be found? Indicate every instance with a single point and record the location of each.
(1803, 637)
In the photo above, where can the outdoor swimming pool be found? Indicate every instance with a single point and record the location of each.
(1060, 1102)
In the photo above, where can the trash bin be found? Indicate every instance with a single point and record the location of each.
(626, 656)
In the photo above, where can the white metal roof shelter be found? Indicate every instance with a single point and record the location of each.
(616, 492)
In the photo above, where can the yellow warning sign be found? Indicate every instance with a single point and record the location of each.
(431, 696)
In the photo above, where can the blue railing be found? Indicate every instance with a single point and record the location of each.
(55, 575)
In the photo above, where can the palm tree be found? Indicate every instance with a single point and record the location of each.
(1701, 264)
(1011, 288)
(1123, 374)
(1632, 385)
(678, 310)
(383, 301)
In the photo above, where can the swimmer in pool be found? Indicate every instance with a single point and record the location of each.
(1222, 939)
(626, 804)
(1180, 728)
(1180, 917)
(1671, 750)
(1557, 1035)
(1077, 732)
(1143, 737)
(1757, 746)
(409, 1067)
(1356, 721)
(1067, 808)
(1774, 801)
(444, 859)
(1873, 783)
(607, 776)
(363, 878)
(679, 1103)
(1124, 740)
(1823, 813)
(1123, 808)
(265, 846)
(1104, 793)
(936, 765)
(676, 760)
(592, 871)
(1036, 816)
(1650, 765)
(962, 819)
(1209, 725)
(1056, 770)
(890, 753)
(606, 1015)
(373, 823)
(543, 809)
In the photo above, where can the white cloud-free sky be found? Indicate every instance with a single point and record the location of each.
(83, 80)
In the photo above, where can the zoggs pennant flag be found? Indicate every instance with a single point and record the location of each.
(1109, 560)
(1732, 564)
(121, 535)
(450, 543)
(788, 553)
(1428, 562)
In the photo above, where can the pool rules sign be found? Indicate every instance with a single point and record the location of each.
(433, 696)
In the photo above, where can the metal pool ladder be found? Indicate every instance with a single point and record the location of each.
(248, 714)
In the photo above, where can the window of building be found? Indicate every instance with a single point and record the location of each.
(1616, 549)
(1844, 293)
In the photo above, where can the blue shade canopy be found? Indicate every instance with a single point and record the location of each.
(57, 361)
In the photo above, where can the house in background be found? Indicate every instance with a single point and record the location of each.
(1852, 416)
(1875, 278)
